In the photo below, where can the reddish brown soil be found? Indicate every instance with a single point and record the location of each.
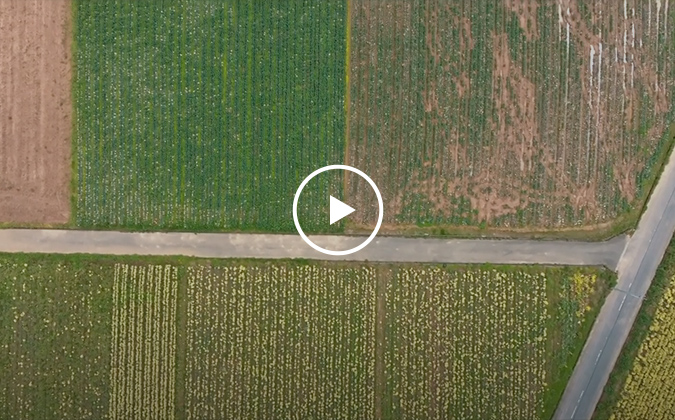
(35, 111)
(572, 111)
(526, 10)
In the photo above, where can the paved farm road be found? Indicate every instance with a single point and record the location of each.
(391, 249)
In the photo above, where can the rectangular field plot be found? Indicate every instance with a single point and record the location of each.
(478, 343)
(268, 342)
(83, 339)
(206, 114)
(111, 337)
(35, 111)
(508, 113)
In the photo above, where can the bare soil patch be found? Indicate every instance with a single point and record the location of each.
(526, 10)
(35, 111)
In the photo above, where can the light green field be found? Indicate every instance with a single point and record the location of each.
(87, 337)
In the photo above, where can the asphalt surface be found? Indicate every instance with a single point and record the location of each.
(636, 270)
(385, 249)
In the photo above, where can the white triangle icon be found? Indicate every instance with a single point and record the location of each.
(338, 210)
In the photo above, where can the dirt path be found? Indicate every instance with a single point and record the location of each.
(35, 111)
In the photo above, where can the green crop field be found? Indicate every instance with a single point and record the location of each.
(509, 114)
(113, 337)
(206, 114)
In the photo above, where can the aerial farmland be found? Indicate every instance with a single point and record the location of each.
(529, 117)
(157, 254)
(176, 131)
(263, 339)
(495, 114)
(513, 114)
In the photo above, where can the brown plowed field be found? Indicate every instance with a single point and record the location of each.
(35, 111)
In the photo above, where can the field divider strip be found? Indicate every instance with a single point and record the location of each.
(348, 34)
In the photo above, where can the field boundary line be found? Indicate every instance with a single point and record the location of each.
(348, 36)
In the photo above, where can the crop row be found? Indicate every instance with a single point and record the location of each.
(143, 346)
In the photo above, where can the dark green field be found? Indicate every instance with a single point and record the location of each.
(206, 115)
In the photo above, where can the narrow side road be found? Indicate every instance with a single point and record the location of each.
(385, 249)
(636, 270)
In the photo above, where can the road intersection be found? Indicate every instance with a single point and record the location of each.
(636, 269)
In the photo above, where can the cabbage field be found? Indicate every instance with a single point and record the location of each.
(112, 337)
(206, 114)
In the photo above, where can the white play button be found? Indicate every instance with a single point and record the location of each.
(338, 210)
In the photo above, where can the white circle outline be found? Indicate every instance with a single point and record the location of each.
(295, 209)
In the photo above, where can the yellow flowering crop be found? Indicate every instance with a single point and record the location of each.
(280, 339)
(649, 389)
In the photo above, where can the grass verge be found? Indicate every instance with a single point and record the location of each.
(607, 280)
